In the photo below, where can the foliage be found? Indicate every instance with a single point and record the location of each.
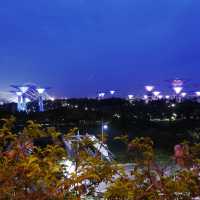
(32, 171)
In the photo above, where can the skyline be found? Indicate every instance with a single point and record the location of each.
(78, 47)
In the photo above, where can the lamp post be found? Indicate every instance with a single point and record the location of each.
(104, 127)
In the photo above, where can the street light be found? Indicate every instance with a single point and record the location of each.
(103, 128)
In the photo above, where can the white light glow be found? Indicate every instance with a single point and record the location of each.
(145, 97)
(19, 93)
(183, 94)
(167, 97)
(130, 96)
(198, 93)
(112, 92)
(178, 89)
(40, 90)
(105, 126)
(24, 89)
(160, 96)
(102, 94)
(27, 100)
(149, 88)
(156, 93)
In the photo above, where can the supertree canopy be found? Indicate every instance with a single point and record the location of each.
(28, 93)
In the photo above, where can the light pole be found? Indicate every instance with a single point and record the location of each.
(104, 127)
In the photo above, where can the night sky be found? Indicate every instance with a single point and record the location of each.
(81, 46)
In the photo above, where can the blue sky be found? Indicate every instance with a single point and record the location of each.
(81, 46)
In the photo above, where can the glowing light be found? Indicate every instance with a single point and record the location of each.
(27, 100)
(52, 98)
(149, 88)
(160, 96)
(167, 97)
(19, 93)
(198, 93)
(102, 94)
(178, 89)
(112, 92)
(183, 94)
(130, 96)
(156, 93)
(40, 90)
(24, 89)
(105, 126)
(145, 97)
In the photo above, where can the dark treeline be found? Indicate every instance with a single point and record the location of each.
(167, 123)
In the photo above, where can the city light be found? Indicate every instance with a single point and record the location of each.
(156, 93)
(130, 96)
(40, 90)
(183, 94)
(149, 88)
(112, 92)
(198, 93)
(101, 95)
(23, 89)
(105, 126)
(178, 89)
(167, 97)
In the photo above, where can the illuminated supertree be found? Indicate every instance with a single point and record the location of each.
(177, 86)
(101, 95)
(149, 89)
(156, 95)
(28, 93)
(40, 98)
